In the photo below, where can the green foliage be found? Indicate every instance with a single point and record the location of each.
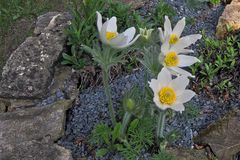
(191, 111)
(162, 9)
(150, 62)
(105, 56)
(137, 100)
(162, 155)
(82, 30)
(218, 57)
(225, 85)
(73, 59)
(11, 10)
(215, 2)
(126, 16)
(140, 136)
(105, 136)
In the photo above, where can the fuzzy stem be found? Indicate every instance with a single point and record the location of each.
(126, 119)
(160, 124)
(108, 94)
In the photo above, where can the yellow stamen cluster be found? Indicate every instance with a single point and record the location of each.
(111, 35)
(167, 96)
(173, 39)
(171, 59)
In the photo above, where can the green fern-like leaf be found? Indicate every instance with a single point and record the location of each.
(140, 136)
(101, 135)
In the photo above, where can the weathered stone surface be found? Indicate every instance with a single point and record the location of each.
(135, 3)
(66, 79)
(223, 136)
(187, 154)
(29, 71)
(33, 123)
(230, 17)
(34, 150)
(43, 21)
(10, 105)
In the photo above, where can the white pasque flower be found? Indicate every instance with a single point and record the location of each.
(170, 93)
(173, 36)
(109, 35)
(173, 60)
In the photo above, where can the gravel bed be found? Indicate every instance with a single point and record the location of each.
(91, 107)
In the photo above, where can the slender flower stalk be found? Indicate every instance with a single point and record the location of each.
(160, 124)
(108, 94)
(125, 121)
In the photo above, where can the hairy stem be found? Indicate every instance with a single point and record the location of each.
(108, 94)
(160, 125)
(126, 119)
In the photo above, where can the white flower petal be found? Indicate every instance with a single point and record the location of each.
(103, 33)
(165, 47)
(112, 25)
(180, 71)
(167, 27)
(130, 32)
(185, 51)
(154, 85)
(99, 21)
(130, 43)
(187, 41)
(120, 40)
(186, 96)
(161, 35)
(178, 29)
(185, 61)
(164, 77)
(178, 107)
(179, 84)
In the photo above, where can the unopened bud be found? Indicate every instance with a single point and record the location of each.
(130, 104)
(146, 33)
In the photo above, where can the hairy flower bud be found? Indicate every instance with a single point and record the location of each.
(130, 104)
(146, 33)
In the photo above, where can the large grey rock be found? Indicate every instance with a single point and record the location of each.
(34, 150)
(223, 136)
(66, 79)
(33, 123)
(28, 72)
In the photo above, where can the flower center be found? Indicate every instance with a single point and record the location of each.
(171, 59)
(167, 96)
(111, 35)
(173, 39)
